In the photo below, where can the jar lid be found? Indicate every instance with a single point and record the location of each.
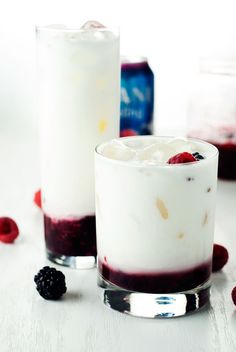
(133, 59)
(224, 65)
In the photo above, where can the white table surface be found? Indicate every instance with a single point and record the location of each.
(80, 322)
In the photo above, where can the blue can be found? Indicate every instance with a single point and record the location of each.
(137, 97)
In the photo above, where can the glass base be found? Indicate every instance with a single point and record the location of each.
(85, 262)
(152, 305)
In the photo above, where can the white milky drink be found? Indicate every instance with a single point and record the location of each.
(79, 98)
(155, 220)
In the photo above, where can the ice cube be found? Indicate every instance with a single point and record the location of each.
(94, 30)
(147, 152)
(92, 25)
(137, 144)
(152, 153)
(180, 145)
(118, 151)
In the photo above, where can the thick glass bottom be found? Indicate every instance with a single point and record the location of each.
(78, 262)
(152, 305)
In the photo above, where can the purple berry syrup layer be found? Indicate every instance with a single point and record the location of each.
(170, 282)
(227, 161)
(75, 237)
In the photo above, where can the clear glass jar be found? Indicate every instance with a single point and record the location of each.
(212, 110)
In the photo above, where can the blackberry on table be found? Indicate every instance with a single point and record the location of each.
(50, 283)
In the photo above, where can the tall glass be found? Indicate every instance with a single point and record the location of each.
(79, 97)
(155, 225)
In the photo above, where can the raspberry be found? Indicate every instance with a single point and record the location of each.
(37, 199)
(220, 257)
(233, 295)
(8, 230)
(128, 132)
(50, 283)
(180, 158)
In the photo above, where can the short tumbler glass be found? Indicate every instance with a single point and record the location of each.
(155, 228)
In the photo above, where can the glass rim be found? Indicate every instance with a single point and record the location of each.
(70, 29)
(129, 163)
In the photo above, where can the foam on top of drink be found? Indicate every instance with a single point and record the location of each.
(152, 150)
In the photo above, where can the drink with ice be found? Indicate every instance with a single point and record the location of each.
(79, 91)
(155, 224)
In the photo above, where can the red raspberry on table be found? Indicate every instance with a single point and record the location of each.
(180, 158)
(220, 257)
(233, 295)
(8, 230)
(38, 199)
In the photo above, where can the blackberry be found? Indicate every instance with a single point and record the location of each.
(50, 283)
(198, 156)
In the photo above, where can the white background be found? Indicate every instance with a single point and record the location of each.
(172, 34)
